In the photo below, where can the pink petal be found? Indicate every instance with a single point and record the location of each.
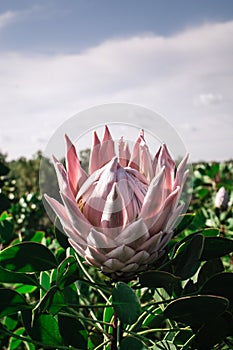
(107, 149)
(99, 240)
(76, 217)
(70, 230)
(94, 156)
(164, 159)
(122, 253)
(62, 178)
(174, 217)
(130, 267)
(94, 254)
(114, 213)
(157, 222)
(96, 195)
(181, 171)
(135, 156)
(133, 234)
(152, 244)
(76, 175)
(155, 196)
(146, 163)
(77, 248)
(139, 257)
(112, 265)
(124, 153)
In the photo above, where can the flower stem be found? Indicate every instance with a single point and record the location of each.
(114, 332)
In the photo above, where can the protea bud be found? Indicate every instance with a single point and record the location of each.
(121, 215)
(221, 199)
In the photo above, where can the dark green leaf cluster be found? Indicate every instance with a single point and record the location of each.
(49, 299)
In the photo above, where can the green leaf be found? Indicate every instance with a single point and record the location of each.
(51, 302)
(38, 236)
(7, 276)
(220, 284)
(186, 221)
(72, 331)
(4, 170)
(14, 342)
(67, 272)
(210, 268)
(125, 303)
(215, 247)
(6, 228)
(214, 332)
(11, 302)
(186, 261)
(196, 310)
(158, 279)
(164, 345)
(5, 204)
(132, 343)
(27, 257)
(44, 329)
(182, 337)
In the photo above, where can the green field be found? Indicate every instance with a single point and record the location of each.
(50, 300)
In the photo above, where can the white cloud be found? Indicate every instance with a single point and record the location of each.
(163, 73)
(208, 99)
(7, 18)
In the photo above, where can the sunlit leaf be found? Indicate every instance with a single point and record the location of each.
(27, 257)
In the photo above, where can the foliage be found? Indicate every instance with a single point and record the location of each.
(50, 300)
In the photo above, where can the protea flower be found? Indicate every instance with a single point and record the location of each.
(121, 215)
(221, 199)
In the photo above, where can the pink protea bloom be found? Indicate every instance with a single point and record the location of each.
(121, 215)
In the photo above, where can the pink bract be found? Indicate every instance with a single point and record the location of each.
(120, 216)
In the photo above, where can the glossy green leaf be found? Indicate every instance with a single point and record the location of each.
(15, 342)
(158, 279)
(132, 343)
(27, 257)
(125, 303)
(11, 302)
(72, 331)
(38, 236)
(7, 276)
(67, 272)
(186, 261)
(44, 329)
(216, 247)
(196, 310)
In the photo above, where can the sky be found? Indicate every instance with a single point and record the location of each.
(60, 57)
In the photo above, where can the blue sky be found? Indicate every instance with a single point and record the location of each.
(60, 57)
